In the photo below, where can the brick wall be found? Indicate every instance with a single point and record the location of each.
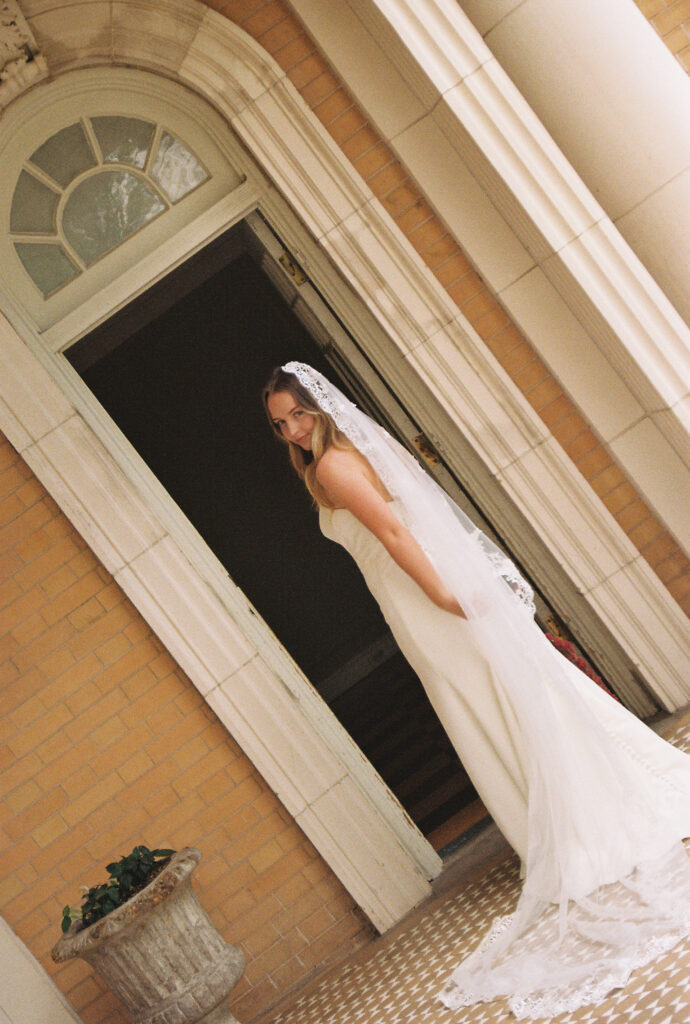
(105, 744)
(671, 19)
(273, 24)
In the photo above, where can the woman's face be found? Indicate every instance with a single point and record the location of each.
(290, 419)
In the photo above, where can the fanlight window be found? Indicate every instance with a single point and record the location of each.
(89, 187)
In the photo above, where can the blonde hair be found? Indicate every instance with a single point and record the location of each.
(324, 435)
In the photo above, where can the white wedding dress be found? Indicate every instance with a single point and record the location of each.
(604, 837)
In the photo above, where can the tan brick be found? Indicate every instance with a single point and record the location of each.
(400, 198)
(50, 830)
(237, 797)
(451, 269)
(87, 613)
(319, 88)
(583, 443)
(107, 707)
(335, 105)
(11, 508)
(479, 305)
(30, 492)
(80, 809)
(361, 142)
(661, 548)
(325, 945)
(96, 634)
(543, 393)
(58, 849)
(273, 38)
(517, 357)
(671, 566)
(269, 880)
(11, 478)
(680, 590)
(104, 736)
(266, 856)
(667, 20)
(531, 375)
(316, 924)
(113, 649)
(568, 428)
(36, 814)
(343, 127)
(18, 690)
(18, 772)
(613, 488)
(135, 767)
(677, 39)
(161, 801)
(22, 796)
(41, 565)
(85, 562)
(443, 250)
(29, 630)
(43, 645)
(415, 216)
(23, 606)
(463, 290)
(129, 742)
(594, 462)
(52, 722)
(65, 758)
(125, 666)
(426, 234)
(266, 17)
(292, 890)
(57, 581)
(10, 590)
(246, 1005)
(292, 53)
(651, 7)
(78, 782)
(645, 533)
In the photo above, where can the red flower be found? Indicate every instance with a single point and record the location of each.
(568, 650)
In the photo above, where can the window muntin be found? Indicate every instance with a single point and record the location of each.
(89, 187)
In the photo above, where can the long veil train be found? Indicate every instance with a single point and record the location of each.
(607, 878)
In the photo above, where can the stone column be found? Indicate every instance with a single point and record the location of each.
(618, 104)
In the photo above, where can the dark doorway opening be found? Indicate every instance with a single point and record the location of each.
(180, 372)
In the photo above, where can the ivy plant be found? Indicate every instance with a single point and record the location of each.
(128, 876)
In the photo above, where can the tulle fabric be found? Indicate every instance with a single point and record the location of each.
(607, 879)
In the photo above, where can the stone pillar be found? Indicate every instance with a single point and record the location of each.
(618, 105)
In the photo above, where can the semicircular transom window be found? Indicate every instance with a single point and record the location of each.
(89, 187)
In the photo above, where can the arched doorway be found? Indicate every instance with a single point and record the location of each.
(180, 371)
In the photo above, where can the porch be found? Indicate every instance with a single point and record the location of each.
(395, 979)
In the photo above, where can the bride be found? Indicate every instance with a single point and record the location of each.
(595, 804)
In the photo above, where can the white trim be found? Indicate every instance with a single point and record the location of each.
(304, 755)
(27, 992)
(445, 106)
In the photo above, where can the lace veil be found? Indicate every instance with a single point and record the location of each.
(607, 880)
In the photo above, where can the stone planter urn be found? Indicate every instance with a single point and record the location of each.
(160, 953)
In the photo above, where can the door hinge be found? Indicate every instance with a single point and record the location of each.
(293, 268)
(426, 449)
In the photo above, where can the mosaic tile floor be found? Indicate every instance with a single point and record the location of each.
(395, 980)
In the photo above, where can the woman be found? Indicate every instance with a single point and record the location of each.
(595, 804)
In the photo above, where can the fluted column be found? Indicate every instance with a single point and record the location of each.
(618, 105)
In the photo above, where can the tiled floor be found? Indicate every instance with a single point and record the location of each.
(395, 980)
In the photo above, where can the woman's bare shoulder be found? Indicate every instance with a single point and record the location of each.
(336, 462)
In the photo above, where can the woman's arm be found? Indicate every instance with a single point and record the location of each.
(342, 476)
